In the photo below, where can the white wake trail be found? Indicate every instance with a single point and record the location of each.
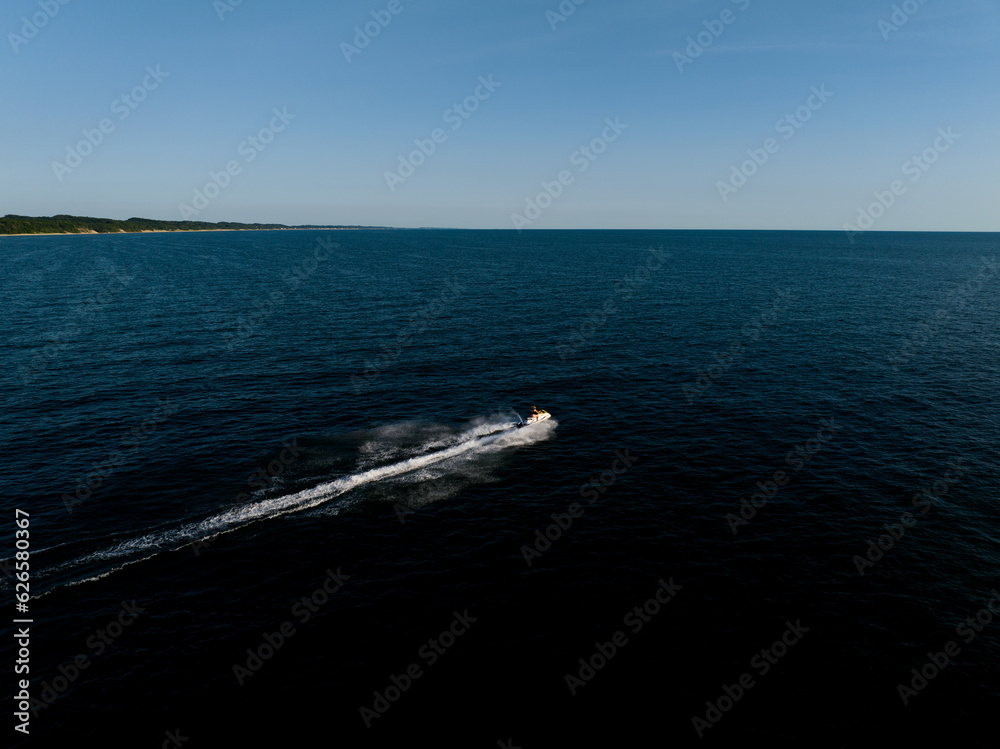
(146, 546)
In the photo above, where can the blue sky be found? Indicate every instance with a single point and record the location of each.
(677, 158)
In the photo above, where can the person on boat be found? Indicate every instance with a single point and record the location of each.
(535, 411)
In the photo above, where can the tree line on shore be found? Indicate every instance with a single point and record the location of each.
(62, 224)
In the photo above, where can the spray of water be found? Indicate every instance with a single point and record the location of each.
(483, 437)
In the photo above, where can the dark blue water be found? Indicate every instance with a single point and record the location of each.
(273, 442)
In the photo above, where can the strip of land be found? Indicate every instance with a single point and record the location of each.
(62, 224)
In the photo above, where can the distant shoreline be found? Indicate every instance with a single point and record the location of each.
(187, 231)
(13, 225)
